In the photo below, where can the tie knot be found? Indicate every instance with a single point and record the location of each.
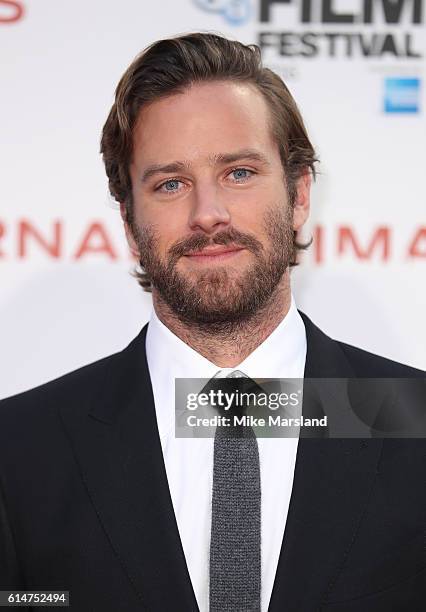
(233, 374)
(239, 389)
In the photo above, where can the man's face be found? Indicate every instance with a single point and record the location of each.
(212, 223)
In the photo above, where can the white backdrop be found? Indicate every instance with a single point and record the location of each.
(66, 294)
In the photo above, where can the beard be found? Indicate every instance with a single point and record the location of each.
(224, 295)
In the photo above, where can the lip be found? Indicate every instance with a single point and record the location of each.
(214, 253)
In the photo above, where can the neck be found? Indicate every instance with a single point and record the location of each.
(229, 344)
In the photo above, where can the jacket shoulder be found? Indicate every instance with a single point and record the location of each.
(330, 358)
(369, 364)
(73, 387)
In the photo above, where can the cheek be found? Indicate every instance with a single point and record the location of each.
(169, 232)
(267, 197)
(171, 229)
(256, 212)
(159, 219)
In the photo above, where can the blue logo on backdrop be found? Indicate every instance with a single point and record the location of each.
(402, 95)
(235, 12)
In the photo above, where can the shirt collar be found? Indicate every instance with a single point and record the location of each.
(281, 355)
(278, 356)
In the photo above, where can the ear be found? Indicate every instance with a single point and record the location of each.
(129, 236)
(302, 200)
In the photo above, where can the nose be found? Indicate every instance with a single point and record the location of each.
(209, 211)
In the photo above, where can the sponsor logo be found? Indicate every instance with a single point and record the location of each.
(235, 12)
(402, 95)
(321, 28)
(369, 11)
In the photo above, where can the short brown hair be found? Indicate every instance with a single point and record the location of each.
(169, 67)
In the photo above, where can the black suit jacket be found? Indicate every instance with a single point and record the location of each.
(85, 504)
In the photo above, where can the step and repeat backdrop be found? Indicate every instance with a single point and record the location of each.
(357, 70)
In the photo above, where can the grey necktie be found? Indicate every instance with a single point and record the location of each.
(235, 577)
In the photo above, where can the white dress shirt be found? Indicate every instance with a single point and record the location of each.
(189, 461)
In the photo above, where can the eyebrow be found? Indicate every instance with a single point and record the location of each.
(217, 159)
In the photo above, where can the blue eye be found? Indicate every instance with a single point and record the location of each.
(241, 174)
(171, 185)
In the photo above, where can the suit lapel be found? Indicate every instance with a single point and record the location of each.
(117, 447)
(332, 482)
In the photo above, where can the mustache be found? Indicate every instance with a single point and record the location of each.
(226, 237)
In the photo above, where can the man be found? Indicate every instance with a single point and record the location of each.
(208, 156)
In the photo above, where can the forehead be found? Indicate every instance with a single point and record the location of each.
(205, 119)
